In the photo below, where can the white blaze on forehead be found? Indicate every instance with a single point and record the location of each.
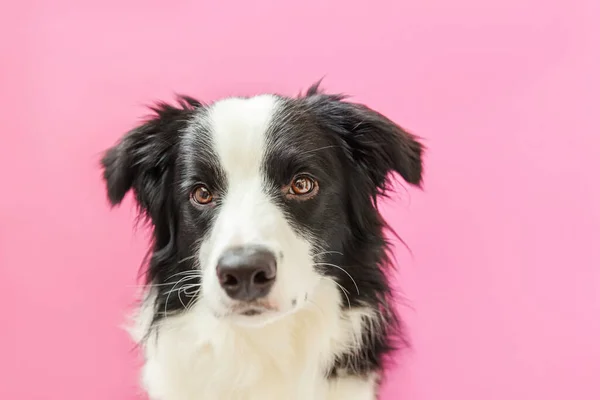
(238, 128)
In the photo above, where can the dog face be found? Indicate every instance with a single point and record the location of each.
(256, 201)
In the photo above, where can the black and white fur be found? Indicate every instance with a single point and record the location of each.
(328, 325)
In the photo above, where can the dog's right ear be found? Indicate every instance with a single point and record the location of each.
(375, 145)
(144, 157)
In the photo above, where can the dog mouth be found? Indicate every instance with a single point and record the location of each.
(251, 312)
(251, 309)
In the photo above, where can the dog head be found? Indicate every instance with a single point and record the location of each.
(256, 201)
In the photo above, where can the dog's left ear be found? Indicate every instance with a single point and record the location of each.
(376, 145)
(144, 157)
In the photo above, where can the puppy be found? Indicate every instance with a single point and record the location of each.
(267, 275)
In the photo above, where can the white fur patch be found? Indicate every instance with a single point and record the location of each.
(196, 356)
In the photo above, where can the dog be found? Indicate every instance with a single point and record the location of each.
(267, 277)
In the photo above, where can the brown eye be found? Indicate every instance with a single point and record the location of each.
(201, 195)
(302, 185)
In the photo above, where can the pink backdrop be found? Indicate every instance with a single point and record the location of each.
(504, 284)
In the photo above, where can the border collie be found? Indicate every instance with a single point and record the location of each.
(268, 272)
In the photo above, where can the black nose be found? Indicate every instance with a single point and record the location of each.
(247, 273)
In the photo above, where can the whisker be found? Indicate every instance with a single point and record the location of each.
(328, 252)
(316, 306)
(166, 304)
(183, 289)
(186, 259)
(193, 295)
(346, 272)
(191, 286)
(341, 287)
(184, 279)
(181, 301)
(151, 285)
(188, 272)
(188, 275)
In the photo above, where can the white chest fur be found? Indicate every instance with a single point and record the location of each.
(194, 356)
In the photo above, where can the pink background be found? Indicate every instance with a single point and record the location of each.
(504, 284)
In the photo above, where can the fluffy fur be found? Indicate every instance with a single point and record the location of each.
(327, 327)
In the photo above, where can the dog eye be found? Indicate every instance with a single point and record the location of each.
(201, 195)
(302, 185)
